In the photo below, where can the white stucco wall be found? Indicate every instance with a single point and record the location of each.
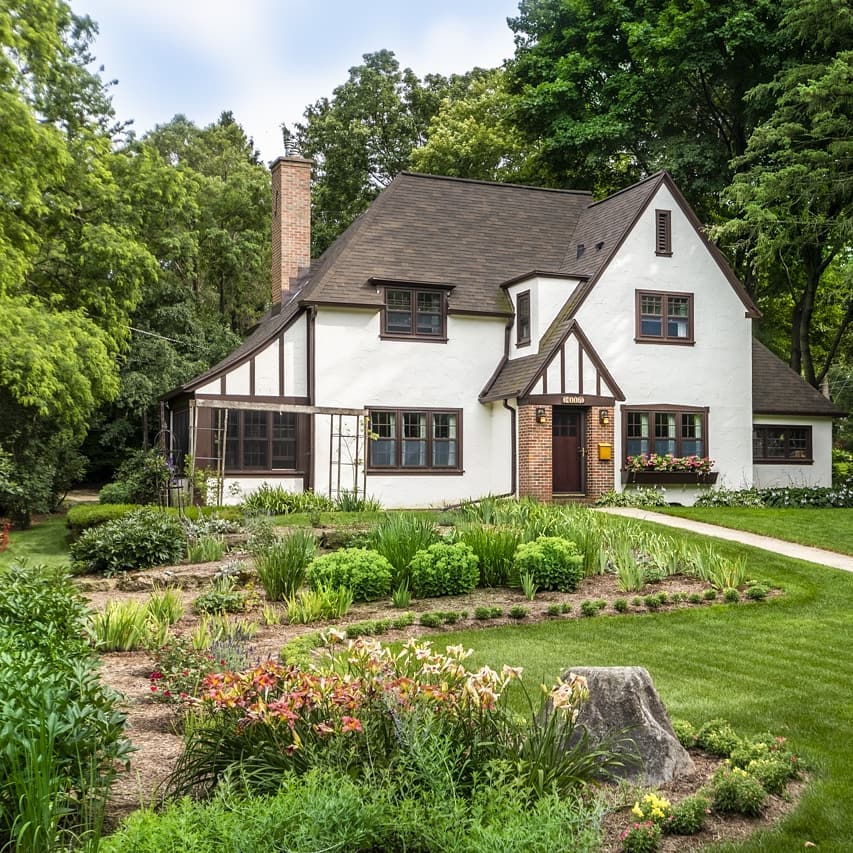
(547, 296)
(296, 358)
(235, 489)
(715, 372)
(819, 473)
(355, 368)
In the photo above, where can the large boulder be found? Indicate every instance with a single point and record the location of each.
(624, 698)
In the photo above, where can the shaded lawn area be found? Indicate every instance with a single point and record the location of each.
(822, 528)
(783, 665)
(45, 543)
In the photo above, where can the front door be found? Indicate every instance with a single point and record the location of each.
(567, 450)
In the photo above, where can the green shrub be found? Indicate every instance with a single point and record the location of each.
(729, 497)
(757, 591)
(116, 493)
(688, 816)
(403, 620)
(637, 601)
(431, 620)
(81, 517)
(398, 537)
(643, 837)
(367, 628)
(554, 610)
(222, 597)
(282, 565)
(554, 563)
(772, 772)
(352, 501)
(633, 497)
(620, 605)
(685, 732)
(365, 573)
(733, 790)
(730, 594)
(139, 540)
(589, 608)
(694, 598)
(652, 602)
(494, 547)
(709, 594)
(297, 652)
(443, 569)
(61, 733)
(483, 613)
(518, 611)
(718, 737)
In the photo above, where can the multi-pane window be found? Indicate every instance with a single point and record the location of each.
(522, 319)
(663, 232)
(665, 317)
(679, 433)
(782, 444)
(414, 313)
(414, 440)
(256, 440)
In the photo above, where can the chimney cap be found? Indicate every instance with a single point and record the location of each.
(295, 159)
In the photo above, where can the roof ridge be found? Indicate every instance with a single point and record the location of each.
(494, 183)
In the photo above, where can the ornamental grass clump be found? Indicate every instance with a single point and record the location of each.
(281, 566)
(494, 547)
(398, 537)
(444, 569)
(365, 573)
(553, 563)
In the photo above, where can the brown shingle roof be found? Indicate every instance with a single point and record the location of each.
(473, 235)
(778, 390)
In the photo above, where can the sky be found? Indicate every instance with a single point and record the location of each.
(266, 60)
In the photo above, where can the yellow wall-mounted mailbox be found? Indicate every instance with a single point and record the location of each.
(605, 451)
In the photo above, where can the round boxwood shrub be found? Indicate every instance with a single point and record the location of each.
(444, 569)
(138, 540)
(367, 574)
(555, 563)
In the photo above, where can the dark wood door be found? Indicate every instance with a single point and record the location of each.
(567, 443)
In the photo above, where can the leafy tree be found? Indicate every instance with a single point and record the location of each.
(793, 193)
(71, 266)
(474, 134)
(361, 137)
(617, 89)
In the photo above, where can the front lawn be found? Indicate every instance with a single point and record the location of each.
(45, 543)
(822, 528)
(783, 666)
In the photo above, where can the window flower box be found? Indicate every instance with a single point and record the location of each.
(658, 469)
(675, 478)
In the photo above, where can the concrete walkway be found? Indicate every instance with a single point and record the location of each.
(777, 546)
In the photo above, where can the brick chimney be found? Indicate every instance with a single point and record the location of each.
(291, 222)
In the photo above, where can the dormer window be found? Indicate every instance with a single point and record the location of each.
(522, 319)
(415, 313)
(663, 232)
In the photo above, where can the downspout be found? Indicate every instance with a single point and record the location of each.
(514, 452)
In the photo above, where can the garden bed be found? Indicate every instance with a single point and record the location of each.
(153, 726)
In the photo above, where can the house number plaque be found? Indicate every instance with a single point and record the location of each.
(573, 400)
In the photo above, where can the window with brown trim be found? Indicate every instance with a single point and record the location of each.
(664, 318)
(782, 445)
(258, 440)
(522, 319)
(413, 313)
(415, 440)
(671, 430)
(663, 232)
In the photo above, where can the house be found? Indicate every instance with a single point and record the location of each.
(465, 338)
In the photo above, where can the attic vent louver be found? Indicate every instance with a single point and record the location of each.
(580, 251)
